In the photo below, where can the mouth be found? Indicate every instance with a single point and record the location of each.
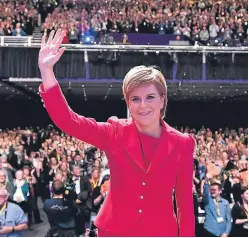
(144, 113)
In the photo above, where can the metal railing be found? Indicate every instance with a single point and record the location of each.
(20, 41)
(26, 41)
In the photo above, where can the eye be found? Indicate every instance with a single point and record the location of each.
(150, 97)
(135, 99)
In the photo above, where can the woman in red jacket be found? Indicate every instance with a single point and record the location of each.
(148, 159)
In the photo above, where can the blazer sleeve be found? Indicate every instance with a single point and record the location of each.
(184, 189)
(85, 129)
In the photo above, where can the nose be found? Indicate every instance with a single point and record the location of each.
(143, 103)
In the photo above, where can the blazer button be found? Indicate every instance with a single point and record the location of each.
(140, 211)
(143, 183)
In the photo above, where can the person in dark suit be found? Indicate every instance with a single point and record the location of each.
(140, 151)
(82, 197)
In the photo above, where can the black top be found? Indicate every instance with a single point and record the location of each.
(60, 213)
(95, 194)
(238, 213)
(229, 189)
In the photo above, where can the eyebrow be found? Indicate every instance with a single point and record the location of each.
(149, 94)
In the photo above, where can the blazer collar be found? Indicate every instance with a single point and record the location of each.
(132, 145)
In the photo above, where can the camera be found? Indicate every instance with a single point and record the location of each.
(69, 193)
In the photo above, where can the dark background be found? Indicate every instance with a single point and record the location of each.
(213, 114)
(218, 104)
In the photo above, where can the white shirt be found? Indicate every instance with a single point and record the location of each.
(77, 185)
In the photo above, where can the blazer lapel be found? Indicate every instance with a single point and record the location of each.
(213, 208)
(132, 144)
(167, 145)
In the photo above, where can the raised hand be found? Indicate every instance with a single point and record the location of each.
(51, 52)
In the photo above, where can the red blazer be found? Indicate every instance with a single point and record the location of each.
(139, 202)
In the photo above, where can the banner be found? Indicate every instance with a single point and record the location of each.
(146, 39)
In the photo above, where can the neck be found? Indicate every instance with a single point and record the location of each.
(152, 130)
(217, 198)
(58, 196)
(245, 203)
(1, 206)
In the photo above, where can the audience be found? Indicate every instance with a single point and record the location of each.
(200, 20)
(17, 18)
(37, 157)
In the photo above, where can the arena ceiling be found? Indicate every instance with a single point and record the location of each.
(99, 90)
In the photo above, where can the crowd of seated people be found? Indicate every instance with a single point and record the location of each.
(40, 156)
(17, 18)
(202, 20)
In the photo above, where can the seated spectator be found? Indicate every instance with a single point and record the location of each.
(186, 31)
(230, 193)
(204, 34)
(4, 183)
(2, 29)
(98, 197)
(7, 167)
(218, 213)
(240, 215)
(15, 220)
(21, 190)
(73, 34)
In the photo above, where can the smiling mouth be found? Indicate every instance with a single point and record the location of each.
(144, 113)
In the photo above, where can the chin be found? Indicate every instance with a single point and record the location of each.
(144, 123)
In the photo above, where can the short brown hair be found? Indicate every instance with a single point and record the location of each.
(141, 75)
(58, 187)
(216, 184)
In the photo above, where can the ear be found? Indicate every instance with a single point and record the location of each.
(162, 101)
(128, 113)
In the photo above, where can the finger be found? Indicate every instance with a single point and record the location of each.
(59, 40)
(43, 41)
(58, 32)
(60, 52)
(50, 39)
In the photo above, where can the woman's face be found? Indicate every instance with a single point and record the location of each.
(95, 174)
(58, 177)
(96, 163)
(53, 161)
(19, 175)
(2, 177)
(245, 196)
(145, 104)
(26, 172)
(64, 166)
(234, 173)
